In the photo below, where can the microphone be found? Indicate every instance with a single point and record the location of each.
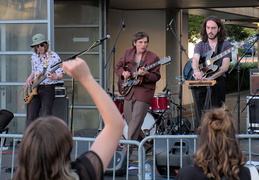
(123, 25)
(172, 20)
(103, 39)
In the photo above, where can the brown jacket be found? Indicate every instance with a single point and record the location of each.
(144, 91)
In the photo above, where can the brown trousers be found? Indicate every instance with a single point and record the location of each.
(134, 113)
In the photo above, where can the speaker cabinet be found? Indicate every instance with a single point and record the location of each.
(120, 164)
(60, 108)
(252, 121)
(174, 155)
(254, 81)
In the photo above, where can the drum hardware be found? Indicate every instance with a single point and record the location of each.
(163, 122)
(148, 127)
(169, 125)
(159, 103)
(185, 125)
(119, 102)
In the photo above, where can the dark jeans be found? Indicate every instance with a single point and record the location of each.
(217, 98)
(41, 104)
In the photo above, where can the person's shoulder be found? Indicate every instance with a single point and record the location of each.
(226, 42)
(52, 53)
(130, 49)
(34, 54)
(189, 168)
(244, 173)
(152, 54)
(190, 172)
(201, 43)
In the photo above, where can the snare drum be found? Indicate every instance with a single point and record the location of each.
(148, 127)
(119, 102)
(159, 103)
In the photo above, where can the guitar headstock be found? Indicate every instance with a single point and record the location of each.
(165, 60)
(250, 40)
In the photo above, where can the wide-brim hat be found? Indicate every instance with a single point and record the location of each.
(37, 39)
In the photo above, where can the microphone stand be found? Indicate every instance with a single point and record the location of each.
(112, 52)
(182, 49)
(96, 43)
(238, 82)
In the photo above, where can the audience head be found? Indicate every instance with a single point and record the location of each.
(219, 151)
(45, 149)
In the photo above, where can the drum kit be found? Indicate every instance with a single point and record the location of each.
(159, 119)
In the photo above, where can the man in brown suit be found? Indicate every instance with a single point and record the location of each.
(138, 99)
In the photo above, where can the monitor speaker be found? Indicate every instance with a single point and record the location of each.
(120, 165)
(254, 81)
(174, 152)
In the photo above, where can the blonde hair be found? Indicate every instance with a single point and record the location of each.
(219, 152)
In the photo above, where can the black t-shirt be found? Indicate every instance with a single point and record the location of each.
(88, 166)
(191, 172)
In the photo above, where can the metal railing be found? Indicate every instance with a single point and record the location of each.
(170, 153)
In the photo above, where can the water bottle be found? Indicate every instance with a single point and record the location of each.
(148, 171)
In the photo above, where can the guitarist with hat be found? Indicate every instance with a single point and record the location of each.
(41, 96)
(137, 100)
(213, 35)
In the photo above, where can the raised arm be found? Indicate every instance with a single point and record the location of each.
(107, 141)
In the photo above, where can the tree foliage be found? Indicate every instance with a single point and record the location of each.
(235, 33)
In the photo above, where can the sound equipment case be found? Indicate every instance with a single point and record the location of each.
(252, 117)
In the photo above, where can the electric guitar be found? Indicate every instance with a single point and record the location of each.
(32, 90)
(124, 86)
(206, 64)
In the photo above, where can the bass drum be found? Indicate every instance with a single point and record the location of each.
(148, 127)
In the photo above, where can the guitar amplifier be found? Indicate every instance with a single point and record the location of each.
(254, 81)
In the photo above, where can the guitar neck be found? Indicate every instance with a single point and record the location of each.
(151, 66)
(253, 38)
(45, 76)
(224, 53)
(147, 68)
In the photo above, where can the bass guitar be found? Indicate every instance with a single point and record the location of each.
(31, 91)
(206, 64)
(124, 86)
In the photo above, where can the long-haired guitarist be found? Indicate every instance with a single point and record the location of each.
(138, 98)
(213, 41)
(41, 96)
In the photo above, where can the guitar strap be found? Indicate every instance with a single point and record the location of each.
(143, 59)
(46, 63)
(219, 49)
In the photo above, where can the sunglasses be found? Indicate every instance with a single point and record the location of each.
(40, 45)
